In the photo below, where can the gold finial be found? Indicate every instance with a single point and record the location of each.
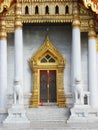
(47, 40)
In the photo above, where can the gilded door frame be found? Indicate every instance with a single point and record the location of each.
(36, 65)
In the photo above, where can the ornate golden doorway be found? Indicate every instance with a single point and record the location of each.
(48, 86)
(47, 60)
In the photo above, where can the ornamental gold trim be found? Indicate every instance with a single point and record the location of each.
(18, 24)
(18, 19)
(76, 18)
(76, 23)
(3, 34)
(91, 33)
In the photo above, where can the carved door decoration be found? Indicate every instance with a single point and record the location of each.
(47, 85)
(47, 66)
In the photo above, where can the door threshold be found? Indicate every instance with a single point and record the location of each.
(48, 104)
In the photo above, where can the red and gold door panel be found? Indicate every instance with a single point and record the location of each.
(47, 85)
(52, 85)
(43, 85)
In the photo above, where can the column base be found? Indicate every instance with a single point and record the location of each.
(16, 115)
(83, 114)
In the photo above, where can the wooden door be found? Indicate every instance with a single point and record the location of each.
(47, 85)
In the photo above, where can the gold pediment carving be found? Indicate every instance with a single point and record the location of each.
(47, 54)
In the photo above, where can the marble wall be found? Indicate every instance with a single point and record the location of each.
(33, 37)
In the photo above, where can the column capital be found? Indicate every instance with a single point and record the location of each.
(3, 34)
(18, 19)
(76, 19)
(91, 33)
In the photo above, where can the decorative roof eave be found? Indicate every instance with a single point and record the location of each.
(5, 5)
(93, 4)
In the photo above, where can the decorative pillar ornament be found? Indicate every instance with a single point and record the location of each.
(93, 88)
(17, 114)
(3, 64)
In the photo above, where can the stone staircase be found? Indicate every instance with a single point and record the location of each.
(48, 114)
(49, 118)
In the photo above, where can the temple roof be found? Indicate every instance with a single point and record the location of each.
(5, 4)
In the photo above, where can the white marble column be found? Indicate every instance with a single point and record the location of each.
(76, 57)
(17, 113)
(3, 65)
(76, 53)
(18, 68)
(18, 62)
(93, 87)
(76, 46)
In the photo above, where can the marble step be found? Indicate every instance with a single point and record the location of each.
(47, 113)
(52, 126)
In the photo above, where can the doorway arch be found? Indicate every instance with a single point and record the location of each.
(47, 61)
